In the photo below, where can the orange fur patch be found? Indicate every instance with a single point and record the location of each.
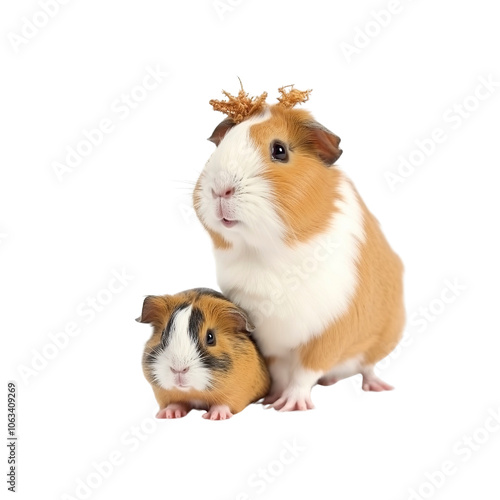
(373, 325)
(308, 187)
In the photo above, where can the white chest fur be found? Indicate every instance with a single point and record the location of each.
(294, 293)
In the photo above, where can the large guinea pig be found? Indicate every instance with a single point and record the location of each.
(297, 248)
(200, 355)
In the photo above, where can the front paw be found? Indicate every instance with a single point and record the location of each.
(294, 399)
(174, 410)
(218, 412)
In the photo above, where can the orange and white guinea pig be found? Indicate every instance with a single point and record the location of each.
(201, 355)
(296, 247)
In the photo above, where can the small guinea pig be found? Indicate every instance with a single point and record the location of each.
(298, 249)
(201, 355)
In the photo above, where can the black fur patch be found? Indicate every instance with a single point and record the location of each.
(220, 364)
(210, 293)
(150, 357)
(195, 322)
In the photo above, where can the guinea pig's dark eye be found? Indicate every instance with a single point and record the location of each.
(279, 151)
(210, 339)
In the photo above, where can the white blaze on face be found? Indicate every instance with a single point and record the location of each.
(237, 164)
(181, 352)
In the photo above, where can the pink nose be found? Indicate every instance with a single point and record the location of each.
(184, 370)
(223, 193)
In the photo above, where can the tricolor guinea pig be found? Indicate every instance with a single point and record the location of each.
(297, 248)
(201, 355)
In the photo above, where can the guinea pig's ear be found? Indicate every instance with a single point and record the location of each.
(151, 309)
(244, 323)
(221, 130)
(324, 143)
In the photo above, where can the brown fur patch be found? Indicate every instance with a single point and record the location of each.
(305, 188)
(373, 324)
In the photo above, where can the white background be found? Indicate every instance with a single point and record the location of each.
(126, 208)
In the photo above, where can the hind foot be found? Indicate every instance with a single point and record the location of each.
(372, 383)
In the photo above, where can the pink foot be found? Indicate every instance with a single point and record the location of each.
(293, 400)
(218, 412)
(373, 383)
(174, 410)
(327, 380)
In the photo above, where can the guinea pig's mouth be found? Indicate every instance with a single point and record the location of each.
(228, 222)
(224, 214)
(182, 384)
